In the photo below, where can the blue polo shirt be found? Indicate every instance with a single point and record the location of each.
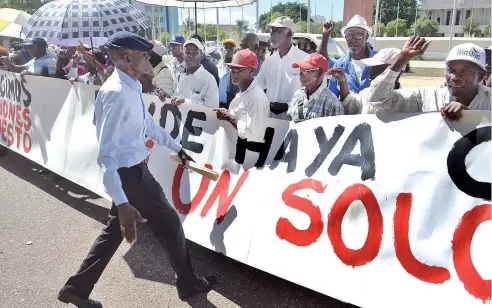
(354, 84)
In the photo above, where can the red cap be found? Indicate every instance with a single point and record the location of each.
(244, 58)
(314, 60)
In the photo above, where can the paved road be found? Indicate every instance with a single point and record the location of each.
(47, 227)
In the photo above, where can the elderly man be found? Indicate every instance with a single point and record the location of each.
(42, 62)
(195, 84)
(207, 63)
(356, 34)
(227, 89)
(250, 109)
(313, 100)
(276, 74)
(121, 124)
(465, 70)
(229, 46)
(357, 103)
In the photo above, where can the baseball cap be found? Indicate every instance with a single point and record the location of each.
(383, 57)
(244, 58)
(195, 42)
(35, 41)
(282, 22)
(128, 40)
(468, 52)
(159, 49)
(314, 60)
(177, 39)
(229, 41)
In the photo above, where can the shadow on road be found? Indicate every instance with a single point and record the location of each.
(241, 284)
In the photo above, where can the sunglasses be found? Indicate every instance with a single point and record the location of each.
(236, 70)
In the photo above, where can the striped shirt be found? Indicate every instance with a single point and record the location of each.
(322, 103)
(176, 69)
(383, 96)
(251, 109)
(48, 61)
(199, 88)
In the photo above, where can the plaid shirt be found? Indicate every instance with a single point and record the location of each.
(322, 103)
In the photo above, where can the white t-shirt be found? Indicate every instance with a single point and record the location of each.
(359, 68)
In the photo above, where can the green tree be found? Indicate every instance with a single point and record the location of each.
(209, 31)
(290, 9)
(301, 27)
(426, 27)
(389, 11)
(381, 29)
(396, 27)
(487, 31)
(471, 26)
(165, 37)
(241, 27)
(28, 6)
(337, 29)
(189, 23)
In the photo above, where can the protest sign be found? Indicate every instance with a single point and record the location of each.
(378, 211)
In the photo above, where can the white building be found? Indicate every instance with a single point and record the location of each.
(442, 12)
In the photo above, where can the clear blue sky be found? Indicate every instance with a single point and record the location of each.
(323, 7)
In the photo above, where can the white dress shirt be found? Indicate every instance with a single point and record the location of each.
(279, 78)
(382, 95)
(251, 109)
(121, 125)
(199, 88)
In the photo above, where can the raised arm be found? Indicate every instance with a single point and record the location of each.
(327, 30)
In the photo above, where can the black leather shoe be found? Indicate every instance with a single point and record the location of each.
(203, 284)
(68, 297)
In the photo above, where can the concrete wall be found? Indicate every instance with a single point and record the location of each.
(437, 51)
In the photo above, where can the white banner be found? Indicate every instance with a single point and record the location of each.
(376, 211)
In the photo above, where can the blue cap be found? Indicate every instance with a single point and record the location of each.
(35, 41)
(127, 40)
(177, 39)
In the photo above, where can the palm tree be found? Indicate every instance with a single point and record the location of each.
(241, 27)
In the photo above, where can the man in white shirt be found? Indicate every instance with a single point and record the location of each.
(121, 125)
(43, 63)
(465, 70)
(358, 103)
(177, 63)
(277, 75)
(195, 84)
(249, 110)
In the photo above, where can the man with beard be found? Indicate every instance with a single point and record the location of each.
(356, 34)
(121, 124)
(277, 76)
(249, 110)
(465, 70)
(313, 100)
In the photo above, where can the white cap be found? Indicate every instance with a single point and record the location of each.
(161, 50)
(386, 56)
(468, 52)
(195, 42)
(357, 22)
(282, 22)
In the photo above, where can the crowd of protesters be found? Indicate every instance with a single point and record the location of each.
(281, 80)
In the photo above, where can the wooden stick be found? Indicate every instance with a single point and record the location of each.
(195, 167)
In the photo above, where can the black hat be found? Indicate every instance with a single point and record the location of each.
(127, 40)
(198, 37)
(35, 41)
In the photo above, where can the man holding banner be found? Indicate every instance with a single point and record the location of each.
(121, 124)
(465, 71)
